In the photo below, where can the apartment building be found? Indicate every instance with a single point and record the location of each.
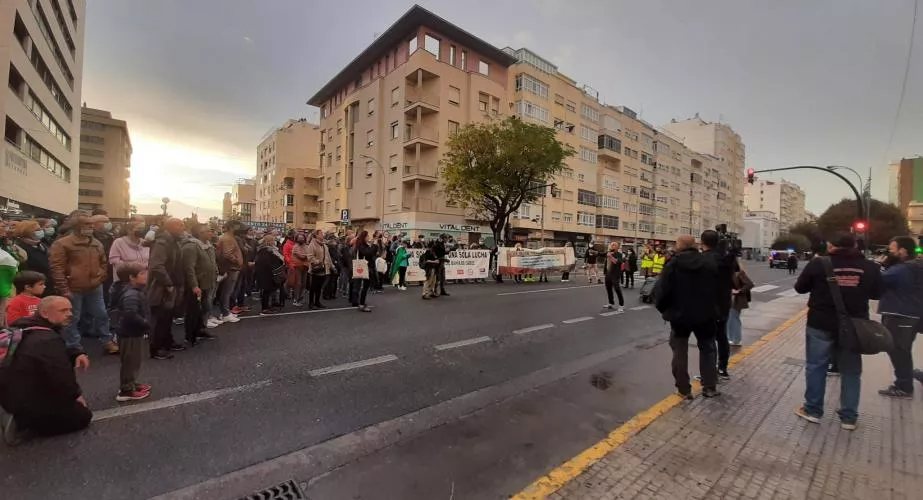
(288, 176)
(41, 47)
(226, 206)
(105, 163)
(906, 182)
(385, 118)
(783, 198)
(243, 199)
(760, 230)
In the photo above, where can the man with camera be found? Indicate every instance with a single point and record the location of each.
(719, 247)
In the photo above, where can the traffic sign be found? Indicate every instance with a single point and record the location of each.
(344, 216)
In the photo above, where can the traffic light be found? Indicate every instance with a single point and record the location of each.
(750, 175)
(859, 226)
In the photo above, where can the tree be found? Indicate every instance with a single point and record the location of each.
(492, 168)
(886, 222)
(809, 230)
(792, 241)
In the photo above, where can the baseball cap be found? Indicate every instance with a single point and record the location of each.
(843, 240)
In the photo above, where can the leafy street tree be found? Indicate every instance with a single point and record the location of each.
(792, 241)
(808, 230)
(886, 222)
(492, 168)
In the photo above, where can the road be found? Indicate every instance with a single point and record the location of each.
(475, 395)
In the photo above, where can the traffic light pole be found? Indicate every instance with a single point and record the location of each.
(859, 200)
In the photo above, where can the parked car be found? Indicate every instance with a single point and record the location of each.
(778, 260)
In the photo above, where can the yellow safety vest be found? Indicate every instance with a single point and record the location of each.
(647, 262)
(659, 261)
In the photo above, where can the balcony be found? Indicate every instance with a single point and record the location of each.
(427, 101)
(418, 204)
(414, 171)
(426, 137)
(310, 207)
(609, 148)
(311, 189)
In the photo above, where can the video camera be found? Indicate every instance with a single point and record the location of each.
(728, 243)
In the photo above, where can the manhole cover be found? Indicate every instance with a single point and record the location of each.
(793, 361)
(288, 490)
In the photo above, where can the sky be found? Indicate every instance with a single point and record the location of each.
(804, 83)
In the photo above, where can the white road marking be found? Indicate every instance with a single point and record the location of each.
(611, 313)
(763, 288)
(299, 312)
(577, 320)
(533, 329)
(547, 290)
(788, 293)
(462, 343)
(170, 402)
(640, 308)
(352, 366)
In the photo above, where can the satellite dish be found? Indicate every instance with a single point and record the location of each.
(165, 199)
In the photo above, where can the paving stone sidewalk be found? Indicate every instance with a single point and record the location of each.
(748, 444)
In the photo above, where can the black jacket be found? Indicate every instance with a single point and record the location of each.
(37, 260)
(40, 379)
(347, 254)
(165, 270)
(266, 262)
(334, 250)
(859, 279)
(725, 264)
(130, 314)
(686, 290)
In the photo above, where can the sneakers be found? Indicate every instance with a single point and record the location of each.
(229, 318)
(297, 303)
(143, 387)
(402, 288)
(236, 310)
(205, 336)
(161, 354)
(111, 347)
(848, 426)
(801, 412)
(365, 309)
(216, 320)
(686, 395)
(894, 392)
(620, 309)
(179, 321)
(134, 395)
(177, 348)
(608, 306)
(724, 375)
(268, 312)
(710, 392)
(212, 323)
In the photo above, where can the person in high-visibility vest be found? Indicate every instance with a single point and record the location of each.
(647, 263)
(658, 261)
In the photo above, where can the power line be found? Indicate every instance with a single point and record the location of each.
(900, 101)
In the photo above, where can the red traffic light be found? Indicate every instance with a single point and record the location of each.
(859, 225)
(750, 175)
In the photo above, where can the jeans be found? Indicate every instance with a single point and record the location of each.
(721, 340)
(679, 342)
(734, 327)
(345, 277)
(903, 332)
(628, 278)
(162, 334)
(88, 303)
(131, 352)
(358, 290)
(440, 277)
(818, 347)
(613, 284)
(196, 314)
(225, 289)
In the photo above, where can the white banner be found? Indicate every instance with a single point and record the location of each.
(528, 261)
(463, 264)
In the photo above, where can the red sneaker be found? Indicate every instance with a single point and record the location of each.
(143, 387)
(236, 310)
(134, 395)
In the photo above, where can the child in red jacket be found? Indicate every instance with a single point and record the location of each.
(30, 286)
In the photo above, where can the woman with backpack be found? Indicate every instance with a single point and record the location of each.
(270, 273)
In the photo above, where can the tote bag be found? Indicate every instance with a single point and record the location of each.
(360, 268)
(862, 336)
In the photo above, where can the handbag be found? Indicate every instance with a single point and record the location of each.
(858, 335)
(360, 268)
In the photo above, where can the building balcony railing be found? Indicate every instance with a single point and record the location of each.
(418, 134)
(416, 171)
(427, 101)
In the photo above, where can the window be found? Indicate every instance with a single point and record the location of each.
(631, 189)
(646, 209)
(555, 215)
(431, 45)
(338, 179)
(392, 163)
(368, 200)
(339, 151)
(412, 45)
(581, 178)
(329, 159)
(585, 219)
(588, 155)
(89, 179)
(464, 59)
(645, 193)
(289, 217)
(606, 201)
(610, 143)
(588, 135)
(290, 200)
(454, 95)
(524, 210)
(607, 221)
(329, 134)
(328, 207)
(90, 192)
(483, 102)
(568, 172)
(91, 152)
(371, 106)
(329, 179)
(610, 183)
(612, 124)
(395, 96)
(568, 217)
(567, 195)
(590, 113)
(42, 115)
(647, 176)
(370, 138)
(527, 83)
(483, 68)
(495, 105)
(392, 197)
(394, 131)
(368, 168)
(336, 204)
(339, 126)
(585, 197)
(453, 127)
(452, 55)
(630, 208)
(534, 111)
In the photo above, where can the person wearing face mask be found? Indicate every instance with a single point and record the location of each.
(29, 237)
(165, 287)
(102, 231)
(130, 248)
(50, 227)
(78, 269)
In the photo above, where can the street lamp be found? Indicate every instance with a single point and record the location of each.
(382, 196)
(865, 186)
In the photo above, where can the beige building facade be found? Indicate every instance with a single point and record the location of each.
(41, 47)
(783, 198)
(243, 200)
(287, 184)
(105, 163)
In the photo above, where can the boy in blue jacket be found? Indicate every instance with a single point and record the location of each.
(132, 317)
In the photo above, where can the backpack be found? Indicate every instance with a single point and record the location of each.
(10, 339)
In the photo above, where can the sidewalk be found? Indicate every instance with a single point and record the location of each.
(749, 444)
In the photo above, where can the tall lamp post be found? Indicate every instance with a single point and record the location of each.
(554, 187)
(382, 170)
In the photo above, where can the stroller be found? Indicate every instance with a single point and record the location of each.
(647, 290)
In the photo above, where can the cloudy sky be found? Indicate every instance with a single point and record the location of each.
(803, 82)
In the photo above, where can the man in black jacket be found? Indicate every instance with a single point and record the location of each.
(441, 247)
(725, 264)
(685, 296)
(39, 387)
(859, 280)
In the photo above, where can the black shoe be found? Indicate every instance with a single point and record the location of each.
(724, 375)
(161, 354)
(205, 336)
(365, 309)
(445, 293)
(894, 392)
(192, 342)
(686, 395)
(710, 392)
(177, 347)
(319, 306)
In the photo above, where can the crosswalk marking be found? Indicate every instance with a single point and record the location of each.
(763, 288)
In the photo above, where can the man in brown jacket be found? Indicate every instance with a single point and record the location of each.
(165, 282)
(230, 261)
(78, 268)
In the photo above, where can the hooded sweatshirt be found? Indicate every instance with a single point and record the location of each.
(687, 291)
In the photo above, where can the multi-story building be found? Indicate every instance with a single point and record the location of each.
(288, 175)
(41, 47)
(906, 182)
(105, 163)
(385, 118)
(227, 206)
(760, 230)
(783, 198)
(243, 199)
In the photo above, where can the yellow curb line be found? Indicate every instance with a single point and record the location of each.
(568, 471)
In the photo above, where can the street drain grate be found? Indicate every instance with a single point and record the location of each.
(793, 361)
(288, 490)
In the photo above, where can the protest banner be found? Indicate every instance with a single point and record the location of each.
(529, 261)
(463, 264)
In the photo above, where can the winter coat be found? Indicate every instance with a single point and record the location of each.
(228, 254)
(902, 289)
(199, 265)
(335, 257)
(319, 258)
(124, 251)
(743, 284)
(725, 264)
(37, 260)
(401, 259)
(165, 270)
(267, 260)
(686, 292)
(78, 264)
(40, 379)
(614, 262)
(130, 315)
(859, 280)
(633, 262)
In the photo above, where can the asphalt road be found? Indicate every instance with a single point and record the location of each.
(482, 391)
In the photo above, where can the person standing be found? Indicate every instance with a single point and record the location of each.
(685, 296)
(230, 262)
(430, 264)
(359, 288)
(201, 277)
(658, 260)
(901, 306)
(78, 268)
(332, 281)
(345, 250)
(725, 264)
(442, 251)
(647, 262)
(129, 303)
(30, 238)
(613, 269)
(299, 268)
(320, 264)
(269, 272)
(632, 261)
(102, 230)
(589, 263)
(165, 289)
(859, 281)
(740, 300)
(792, 263)
(130, 248)
(399, 266)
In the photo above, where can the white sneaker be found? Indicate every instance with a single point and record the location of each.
(607, 306)
(230, 318)
(216, 320)
(621, 309)
(402, 288)
(211, 323)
